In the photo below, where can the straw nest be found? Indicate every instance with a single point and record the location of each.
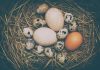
(21, 16)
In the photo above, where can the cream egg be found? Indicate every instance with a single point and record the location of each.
(45, 36)
(42, 8)
(55, 19)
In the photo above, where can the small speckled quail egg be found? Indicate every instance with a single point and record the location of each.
(61, 58)
(30, 44)
(39, 49)
(42, 8)
(73, 26)
(68, 17)
(38, 22)
(59, 45)
(62, 33)
(48, 52)
(28, 32)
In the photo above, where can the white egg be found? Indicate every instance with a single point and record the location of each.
(45, 36)
(55, 19)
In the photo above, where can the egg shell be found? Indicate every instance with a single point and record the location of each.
(73, 41)
(45, 36)
(55, 19)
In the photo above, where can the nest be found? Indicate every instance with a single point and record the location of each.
(21, 16)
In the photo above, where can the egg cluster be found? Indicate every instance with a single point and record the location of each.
(56, 33)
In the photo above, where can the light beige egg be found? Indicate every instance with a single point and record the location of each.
(55, 19)
(45, 36)
(42, 8)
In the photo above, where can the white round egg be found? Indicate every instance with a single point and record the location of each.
(55, 19)
(45, 36)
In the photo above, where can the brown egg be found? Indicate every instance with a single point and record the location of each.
(73, 41)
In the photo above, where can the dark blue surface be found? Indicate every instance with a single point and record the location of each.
(92, 6)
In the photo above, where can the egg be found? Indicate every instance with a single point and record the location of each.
(62, 33)
(55, 19)
(73, 41)
(59, 46)
(73, 26)
(61, 58)
(68, 17)
(45, 36)
(39, 49)
(28, 32)
(30, 44)
(48, 52)
(42, 8)
(38, 22)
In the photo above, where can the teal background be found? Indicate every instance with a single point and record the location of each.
(92, 6)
